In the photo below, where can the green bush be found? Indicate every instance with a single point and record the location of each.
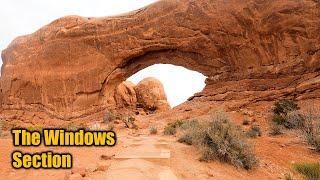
(254, 132)
(220, 139)
(153, 130)
(279, 120)
(171, 128)
(310, 170)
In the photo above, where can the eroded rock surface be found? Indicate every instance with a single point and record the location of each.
(148, 95)
(151, 95)
(251, 51)
(125, 95)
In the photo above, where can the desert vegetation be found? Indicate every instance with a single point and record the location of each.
(76, 126)
(153, 130)
(35, 128)
(311, 171)
(220, 139)
(127, 119)
(171, 128)
(254, 132)
(287, 115)
(311, 129)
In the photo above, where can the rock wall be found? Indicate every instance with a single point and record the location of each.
(250, 50)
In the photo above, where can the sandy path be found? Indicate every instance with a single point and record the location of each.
(161, 157)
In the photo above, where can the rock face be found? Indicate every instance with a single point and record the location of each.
(125, 95)
(151, 95)
(148, 95)
(251, 51)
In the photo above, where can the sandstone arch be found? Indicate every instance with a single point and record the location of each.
(250, 50)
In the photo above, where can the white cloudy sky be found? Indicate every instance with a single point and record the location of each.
(19, 17)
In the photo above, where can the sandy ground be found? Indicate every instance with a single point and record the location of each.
(276, 154)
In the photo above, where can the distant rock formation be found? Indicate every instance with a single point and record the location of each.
(251, 51)
(151, 95)
(148, 95)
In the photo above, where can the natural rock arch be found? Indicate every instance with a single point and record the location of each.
(249, 50)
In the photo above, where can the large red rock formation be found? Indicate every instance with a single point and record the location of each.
(250, 50)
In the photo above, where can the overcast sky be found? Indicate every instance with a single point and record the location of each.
(19, 17)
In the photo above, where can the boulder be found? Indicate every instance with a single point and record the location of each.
(125, 95)
(151, 95)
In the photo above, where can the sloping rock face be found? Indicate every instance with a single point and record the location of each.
(151, 95)
(251, 51)
(125, 95)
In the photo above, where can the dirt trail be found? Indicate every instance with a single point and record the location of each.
(161, 157)
(143, 158)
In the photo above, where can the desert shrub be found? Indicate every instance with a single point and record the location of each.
(192, 132)
(286, 114)
(288, 177)
(278, 119)
(189, 124)
(35, 128)
(75, 127)
(108, 117)
(220, 139)
(276, 129)
(178, 123)
(254, 132)
(294, 120)
(246, 121)
(283, 107)
(220, 116)
(129, 121)
(310, 170)
(95, 126)
(153, 130)
(186, 139)
(171, 128)
(311, 129)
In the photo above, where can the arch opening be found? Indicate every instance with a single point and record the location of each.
(179, 83)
